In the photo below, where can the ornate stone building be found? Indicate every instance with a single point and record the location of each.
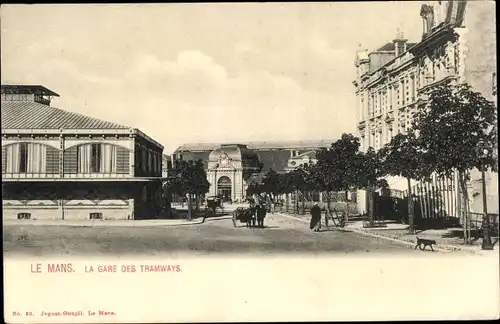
(58, 164)
(232, 167)
(229, 168)
(458, 45)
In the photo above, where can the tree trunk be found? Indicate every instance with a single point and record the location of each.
(197, 202)
(328, 212)
(346, 206)
(296, 202)
(411, 218)
(287, 201)
(189, 208)
(370, 204)
(303, 203)
(465, 203)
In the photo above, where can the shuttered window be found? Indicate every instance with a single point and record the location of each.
(4, 159)
(122, 160)
(52, 160)
(71, 160)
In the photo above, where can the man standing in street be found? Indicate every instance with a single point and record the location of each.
(315, 218)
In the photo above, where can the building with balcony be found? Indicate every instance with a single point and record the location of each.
(58, 164)
(458, 45)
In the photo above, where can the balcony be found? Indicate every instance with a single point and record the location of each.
(43, 101)
(389, 118)
(361, 125)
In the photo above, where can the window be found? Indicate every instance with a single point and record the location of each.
(95, 215)
(95, 158)
(23, 157)
(24, 216)
(29, 158)
(100, 158)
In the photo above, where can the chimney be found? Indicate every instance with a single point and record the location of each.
(400, 43)
(427, 14)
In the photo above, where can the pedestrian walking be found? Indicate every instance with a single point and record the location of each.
(261, 214)
(315, 224)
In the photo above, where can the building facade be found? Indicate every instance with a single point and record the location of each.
(58, 164)
(229, 168)
(232, 167)
(458, 45)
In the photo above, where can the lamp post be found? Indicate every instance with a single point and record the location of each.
(483, 151)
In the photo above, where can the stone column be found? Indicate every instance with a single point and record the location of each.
(60, 202)
(131, 143)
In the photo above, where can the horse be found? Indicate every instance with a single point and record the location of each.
(245, 215)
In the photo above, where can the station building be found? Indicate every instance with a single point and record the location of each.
(232, 167)
(58, 164)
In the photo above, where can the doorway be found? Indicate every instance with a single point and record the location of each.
(224, 188)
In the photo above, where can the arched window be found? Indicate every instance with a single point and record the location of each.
(34, 158)
(96, 158)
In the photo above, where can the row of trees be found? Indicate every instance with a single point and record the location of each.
(188, 178)
(443, 139)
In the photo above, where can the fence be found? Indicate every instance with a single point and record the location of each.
(302, 202)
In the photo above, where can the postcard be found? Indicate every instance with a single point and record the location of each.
(249, 162)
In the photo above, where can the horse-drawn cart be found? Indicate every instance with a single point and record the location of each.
(213, 203)
(244, 215)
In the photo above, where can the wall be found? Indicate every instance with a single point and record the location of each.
(115, 200)
(478, 42)
(147, 158)
(379, 59)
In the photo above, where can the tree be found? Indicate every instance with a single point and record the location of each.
(403, 157)
(368, 171)
(271, 184)
(456, 119)
(189, 178)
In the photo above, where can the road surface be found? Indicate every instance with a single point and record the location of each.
(282, 235)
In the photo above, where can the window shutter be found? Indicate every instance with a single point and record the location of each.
(122, 160)
(52, 160)
(71, 160)
(4, 159)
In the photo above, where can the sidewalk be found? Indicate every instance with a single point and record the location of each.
(109, 223)
(448, 240)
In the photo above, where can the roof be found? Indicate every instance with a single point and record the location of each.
(309, 154)
(32, 115)
(387, 47)
(236, 152)
(260, 145)
(27, 89)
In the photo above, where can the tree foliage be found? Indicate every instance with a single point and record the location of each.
(189, 177)
(449, 131)
(403, 157)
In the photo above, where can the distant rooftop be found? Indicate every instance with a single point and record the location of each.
(260, 145)
(392, 47)
(27, 89)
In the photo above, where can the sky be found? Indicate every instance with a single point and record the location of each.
(186, 73)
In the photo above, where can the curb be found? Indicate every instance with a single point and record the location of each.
(395, 238)
(105, 224)
(111, 223)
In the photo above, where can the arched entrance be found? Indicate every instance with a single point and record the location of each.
(224, 188)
